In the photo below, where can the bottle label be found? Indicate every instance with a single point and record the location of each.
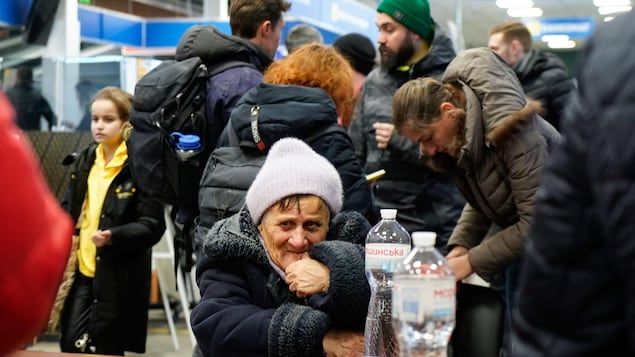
(418, 300)
(385, 256)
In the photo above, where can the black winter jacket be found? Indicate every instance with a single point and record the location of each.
(288, 110)
(544, 77)
(121, 285)
(577, 289)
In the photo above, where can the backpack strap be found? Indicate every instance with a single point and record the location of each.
(231, 134)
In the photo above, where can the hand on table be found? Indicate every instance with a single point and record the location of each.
(459, 262)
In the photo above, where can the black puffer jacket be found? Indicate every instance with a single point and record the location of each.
(577, 289)
(425, 200)
(544, 77)
(288, 110)
(121, 287)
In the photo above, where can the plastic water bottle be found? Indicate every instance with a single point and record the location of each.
(387, 243)
(424, 300)
(186, 145)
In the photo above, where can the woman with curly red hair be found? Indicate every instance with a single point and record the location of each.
(303, 93)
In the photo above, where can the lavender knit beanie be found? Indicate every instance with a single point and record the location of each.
(292, 168)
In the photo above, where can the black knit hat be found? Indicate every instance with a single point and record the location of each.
(358, 49)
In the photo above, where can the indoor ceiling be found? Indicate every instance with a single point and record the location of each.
(480, 15)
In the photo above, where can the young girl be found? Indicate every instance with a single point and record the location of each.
(105, 311)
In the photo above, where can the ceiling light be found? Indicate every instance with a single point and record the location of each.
(530, 12)
(608, 18)
(507, 4)
(600, 3)
(556, 38)
(561, 44)
(613, 9)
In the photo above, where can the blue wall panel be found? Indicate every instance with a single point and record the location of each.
(14, 12)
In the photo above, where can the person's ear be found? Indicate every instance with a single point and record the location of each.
(446, 106)
(265, 28)
(517, 48)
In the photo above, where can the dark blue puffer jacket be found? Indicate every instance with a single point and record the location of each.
(577, 289)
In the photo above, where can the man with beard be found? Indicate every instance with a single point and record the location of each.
(411, 46)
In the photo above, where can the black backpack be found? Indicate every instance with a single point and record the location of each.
(228, 174)
(171, 99)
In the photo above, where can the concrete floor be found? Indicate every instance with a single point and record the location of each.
(159, 343)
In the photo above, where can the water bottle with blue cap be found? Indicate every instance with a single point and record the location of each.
(186, 146)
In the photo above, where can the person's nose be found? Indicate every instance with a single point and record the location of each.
(298, 239)
(381, 38)
(429, 149)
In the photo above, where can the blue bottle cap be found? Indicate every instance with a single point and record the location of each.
(187, 141)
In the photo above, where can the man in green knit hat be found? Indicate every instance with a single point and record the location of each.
(411, 45)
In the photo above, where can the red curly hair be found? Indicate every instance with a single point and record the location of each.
(321, 66)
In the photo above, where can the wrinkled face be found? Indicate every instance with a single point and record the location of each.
(501, 48)
(105, 122)
(396, 45)
(290, 234)
(440, 136)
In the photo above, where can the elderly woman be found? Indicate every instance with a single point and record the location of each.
(285, 275)
(478, 127)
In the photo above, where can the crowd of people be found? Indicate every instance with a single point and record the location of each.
(524, 174)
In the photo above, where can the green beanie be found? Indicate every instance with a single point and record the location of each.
(413, 14)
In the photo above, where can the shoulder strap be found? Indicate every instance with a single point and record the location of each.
(231, 134)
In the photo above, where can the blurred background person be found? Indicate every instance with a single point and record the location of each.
(360, 53)
(542, 74)
(300, 35)
(577, 286)
(85, 90)
(28, 102)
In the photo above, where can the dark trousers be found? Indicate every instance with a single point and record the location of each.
(77, 335)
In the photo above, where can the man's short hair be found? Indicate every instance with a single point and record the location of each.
(300, 35)
(514, 31)
(245, 16)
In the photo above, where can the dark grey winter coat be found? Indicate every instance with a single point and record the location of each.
(246, 308)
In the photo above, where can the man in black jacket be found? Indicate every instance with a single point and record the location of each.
(577, 289)
(411, 45)
(28, 102)
(542, 74)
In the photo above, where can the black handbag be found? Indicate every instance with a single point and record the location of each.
(479, 322)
